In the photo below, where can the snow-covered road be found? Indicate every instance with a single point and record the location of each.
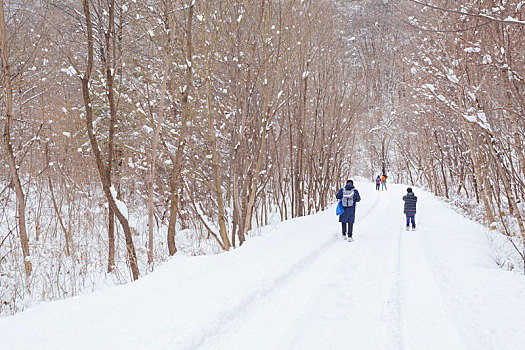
(379, 292)
(299, 286)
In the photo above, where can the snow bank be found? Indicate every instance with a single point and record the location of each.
(181, 303)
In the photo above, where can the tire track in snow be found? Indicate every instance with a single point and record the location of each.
(361, 288)
(397, 293)
(305, 268)
(389, 254)
(227, 320)
(423, 310)
(480, 340)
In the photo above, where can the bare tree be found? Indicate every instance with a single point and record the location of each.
(104, 166)
(10, 153)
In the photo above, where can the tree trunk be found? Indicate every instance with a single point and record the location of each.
(216, 168)
(153, 157)
(111, 239)
(103, 170)
(176, 170)
(508, 188)
(253, 185)
(13, 169)
(110, 94)
(477, 173)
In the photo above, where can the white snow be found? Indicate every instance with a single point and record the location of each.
(71, 71)
(479, 118)
(472, 49)
(299, 286)
(453, 78)
(120, 205)
(512, 19)
(430, 87)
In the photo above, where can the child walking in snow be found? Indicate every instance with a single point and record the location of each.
(378, 182)
(410, 208)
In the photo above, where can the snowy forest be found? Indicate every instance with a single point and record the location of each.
(135, 130)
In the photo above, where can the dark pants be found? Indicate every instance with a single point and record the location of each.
(411, 218)
(377, 186)
(349, 230)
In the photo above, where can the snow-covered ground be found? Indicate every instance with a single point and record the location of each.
(299, 286)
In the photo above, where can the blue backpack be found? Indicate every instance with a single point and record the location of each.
(339, 210)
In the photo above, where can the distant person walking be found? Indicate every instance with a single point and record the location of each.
(383, 182)
(378, 182)
(410, 208)
(349, 196)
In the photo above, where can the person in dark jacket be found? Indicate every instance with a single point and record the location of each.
(378, 182)
(347, 219)
(410, 208)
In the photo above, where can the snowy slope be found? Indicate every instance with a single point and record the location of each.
(299, 286)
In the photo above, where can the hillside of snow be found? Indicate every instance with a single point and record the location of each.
(300, 286)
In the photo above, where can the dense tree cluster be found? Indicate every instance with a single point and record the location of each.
(454, 119)
(134, 129)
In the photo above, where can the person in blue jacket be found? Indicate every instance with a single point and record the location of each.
(349, 195)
